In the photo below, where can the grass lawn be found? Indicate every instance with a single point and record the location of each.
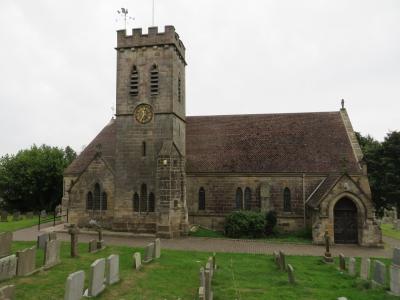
(387, 230)
(15, 225)
(295, 238)
(176, 275)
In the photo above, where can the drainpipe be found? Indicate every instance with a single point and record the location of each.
(304, 200)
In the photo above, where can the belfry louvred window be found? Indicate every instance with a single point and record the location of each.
(154, 80)
(134, 82)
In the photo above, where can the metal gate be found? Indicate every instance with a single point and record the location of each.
(345, 222)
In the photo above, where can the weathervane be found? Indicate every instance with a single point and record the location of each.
(124, 12)
(152, 20)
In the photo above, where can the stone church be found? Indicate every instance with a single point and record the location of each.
(154, 170)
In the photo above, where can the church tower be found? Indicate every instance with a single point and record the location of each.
(150, 133)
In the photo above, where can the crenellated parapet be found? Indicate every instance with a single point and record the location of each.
(153, 38)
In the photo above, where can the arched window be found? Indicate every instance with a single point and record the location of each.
(89, 201)
(143, 198)
(179, 89)
(239, 198)
(143, 148)
(104, 201)
(96, 202)
(136, 204)
(247, 198)
(134, 83)
(202, 199)
(152, 202)
(287, 205)
(154, 80)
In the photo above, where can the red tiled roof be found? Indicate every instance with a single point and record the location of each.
(277, 143)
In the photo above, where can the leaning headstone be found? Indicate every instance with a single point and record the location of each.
(26, 263)
(290, 274)
(52, 253)
(352, 266)
(202, 277)
(96, 278)
(202, 293)
(74, 286)
(149, 253)
(16, 216)
(92, 246)
(5, 243)
(42, 239)
(7, 292)
(157, 248)
(208, 288)
(112, 270)
(378, 276)
(137, 261)
(8, 267)
(342, 262)
(282, 260)
(29, 215)
(365, 268)
(4, 216)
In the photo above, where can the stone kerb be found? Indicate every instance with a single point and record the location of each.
(96, 278)
(137, 261)
(7, 292)
(112, 270)
(74, 286)
(52, 253)
(26, 263)
(6, 239)
(8, 267)
(395, 273)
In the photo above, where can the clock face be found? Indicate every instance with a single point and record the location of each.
(143, 113)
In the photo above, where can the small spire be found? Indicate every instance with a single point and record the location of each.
(342, 103)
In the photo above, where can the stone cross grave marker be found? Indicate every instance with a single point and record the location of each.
(137, 261)
(74, 231)
(52, 253)
(352, 266)
(42, 239)
(8, 267)
(26, 263)
(157, 248)
(7, 292)
(96, 278)
(149, 253)
(282, 260)
(74, 286)
(365, 268)
(342, 262)
(290, 274)
(378, 276)
(92, 246)
(101, 245)
(5, 243)
(112, 274)
(4, 216)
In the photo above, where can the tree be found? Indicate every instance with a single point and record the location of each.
(33, 178)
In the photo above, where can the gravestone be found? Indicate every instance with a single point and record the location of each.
(395, 280)
(8, 267)
(43, 214)
(29, 215)
(276, 259)
(282, 261)
(74, 286)
(209, 268)
(5, 243)
(92, 246)
(137, 261)
(4, 216)
(207, 287)
(42, 239)
(58, 210)
(202, 293)
(202, 277)
(396, 225)
(149, 253)
(214, 260)
(352, 266)
(7, 292)
(396, 256)
(342, 298)
(365, 268)
(157, 248)
(52, 235)
(52, 253)
(378, 276)
(100, 245)
(26, 263)
(112, 274)
(290, 274)
(73, 230)
(327, 256)
(342, 262)
(96, 278)
(16, 216)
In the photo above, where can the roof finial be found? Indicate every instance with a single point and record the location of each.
(342, 103)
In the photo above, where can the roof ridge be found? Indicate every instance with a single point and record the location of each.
(267, 114)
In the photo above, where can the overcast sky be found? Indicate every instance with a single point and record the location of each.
(57, 71)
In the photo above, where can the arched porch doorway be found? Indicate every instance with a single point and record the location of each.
(345, 222)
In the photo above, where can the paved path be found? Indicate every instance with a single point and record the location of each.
(224, 245)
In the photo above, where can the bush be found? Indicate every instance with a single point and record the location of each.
(270, 220)
(245, 224)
